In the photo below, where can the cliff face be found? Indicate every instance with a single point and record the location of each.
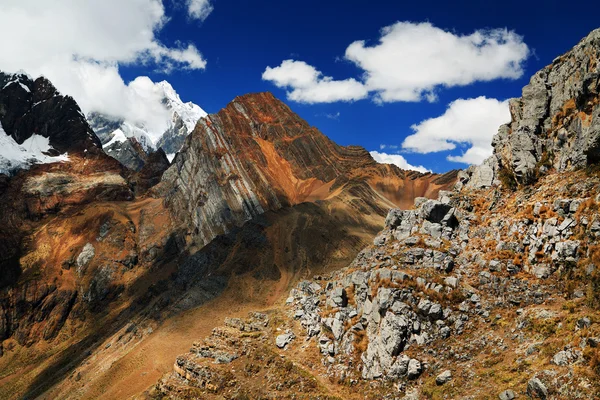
(555, 124)
(257, 155)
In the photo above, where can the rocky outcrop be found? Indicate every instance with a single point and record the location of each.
(435, 277)
(554, 125)
(130, 153)
(155, 164)
(34, 107)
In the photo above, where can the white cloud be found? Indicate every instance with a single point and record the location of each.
(471, 122)
(398, 160)
(79, 46)
(199, 9)
(332, 116)
(310, 86)
(410, 62)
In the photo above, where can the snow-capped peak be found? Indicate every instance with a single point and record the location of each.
(181, 120)
(189, 112)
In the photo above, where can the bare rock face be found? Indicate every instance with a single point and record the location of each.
(555, 124)
(155, 164)
(257, 155)
(130, 153)
(29, 107)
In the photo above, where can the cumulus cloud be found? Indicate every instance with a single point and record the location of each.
(199, 9)
(471, 122)
(398, 160)
(308, 85)
(79, 46)
(410, 62)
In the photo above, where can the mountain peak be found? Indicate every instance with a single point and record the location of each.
(115, 132)
(34, 126)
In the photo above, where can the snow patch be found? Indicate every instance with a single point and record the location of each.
(170, 157)
(14, 156)
(118, 137)
(25, 88)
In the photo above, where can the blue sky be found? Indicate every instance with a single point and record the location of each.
(239, 39)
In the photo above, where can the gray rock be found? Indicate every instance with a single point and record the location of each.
(412, 394)
(434, 211)
(507, 395)
(394, 218)
(283, 340)
(86, 255)
(451, 281)
(495, 266)
(339, 297)
(584, 322)
(542, 271)
(393, 332)
(567, 249)
(424, 306)
(484, 175)
(567, 223)
(563, 358)
(400, 367)
(444, 377)
(419, 201)
(414, 369)
(337, 328)
(435, 312)
(536, 389)
(545, 123)
(445, 332)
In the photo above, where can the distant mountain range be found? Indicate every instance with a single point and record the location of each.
(119, 136)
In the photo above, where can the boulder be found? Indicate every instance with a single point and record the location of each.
(434, 211)
(536, 389)
(339, 297)
(444, 377)
(507, 395)
(563, 358)
(414, 369)
(283, 340)
(86, 255)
